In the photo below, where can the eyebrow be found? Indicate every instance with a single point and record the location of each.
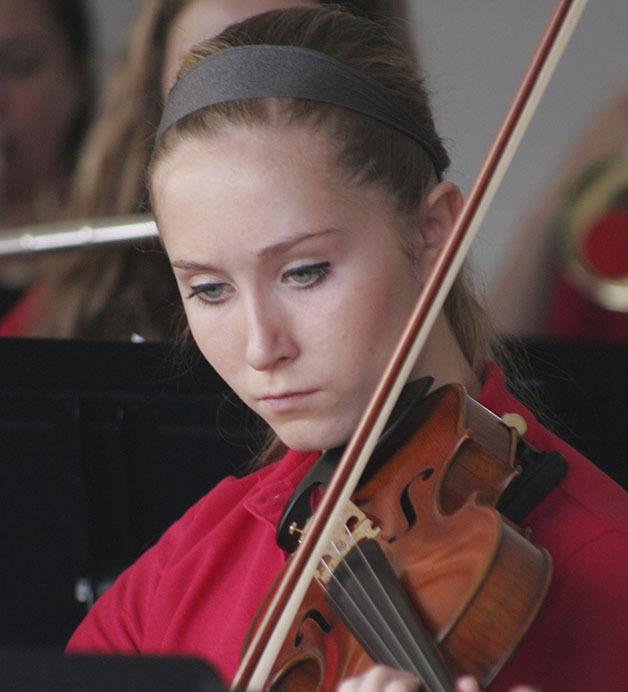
(273, 250)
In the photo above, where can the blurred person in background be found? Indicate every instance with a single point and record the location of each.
(579, 236)
(118, 292)
(45, 92)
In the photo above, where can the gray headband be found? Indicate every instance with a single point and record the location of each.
(262, 71)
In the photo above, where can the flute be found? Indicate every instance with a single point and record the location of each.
(82, 233)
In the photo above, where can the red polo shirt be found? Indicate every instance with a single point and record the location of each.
(196, 591)
(21, 316)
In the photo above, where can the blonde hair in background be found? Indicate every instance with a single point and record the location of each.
(112, 292)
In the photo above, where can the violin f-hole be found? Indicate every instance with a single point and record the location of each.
(318, 618)
(405, 503)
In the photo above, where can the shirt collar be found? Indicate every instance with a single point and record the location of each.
(268, 498)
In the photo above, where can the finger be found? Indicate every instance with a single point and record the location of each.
(406, 684)
(467, 683)
(349, 685)
(381, 679)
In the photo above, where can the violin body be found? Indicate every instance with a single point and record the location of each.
(469, 578)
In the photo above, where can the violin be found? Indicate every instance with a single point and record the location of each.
(420, 557)
(456, 583)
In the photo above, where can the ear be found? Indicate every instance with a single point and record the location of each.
(439, 211)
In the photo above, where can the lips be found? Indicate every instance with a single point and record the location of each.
(286, 400)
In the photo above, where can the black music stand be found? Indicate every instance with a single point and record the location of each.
(45, 671)
(102, 447)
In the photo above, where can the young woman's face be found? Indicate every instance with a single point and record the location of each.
(295, 283)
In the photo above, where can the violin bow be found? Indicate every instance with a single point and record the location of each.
(268, 639)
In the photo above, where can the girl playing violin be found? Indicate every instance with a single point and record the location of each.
(298, 184)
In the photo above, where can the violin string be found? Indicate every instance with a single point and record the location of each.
(386, 596)
(408, 664)
(417, 650)
(366, 623)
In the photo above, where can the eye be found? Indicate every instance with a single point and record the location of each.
(211, 292)
(307, 275)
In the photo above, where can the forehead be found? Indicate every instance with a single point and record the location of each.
(261, 184)
(258, 165)
(237, 153)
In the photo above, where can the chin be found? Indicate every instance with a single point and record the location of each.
(311, 438)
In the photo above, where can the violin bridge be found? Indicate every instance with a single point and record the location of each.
(353, 527)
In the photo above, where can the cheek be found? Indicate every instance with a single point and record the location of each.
(217, 340)
(373, 316)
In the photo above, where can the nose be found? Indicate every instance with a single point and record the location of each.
(269, 339)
